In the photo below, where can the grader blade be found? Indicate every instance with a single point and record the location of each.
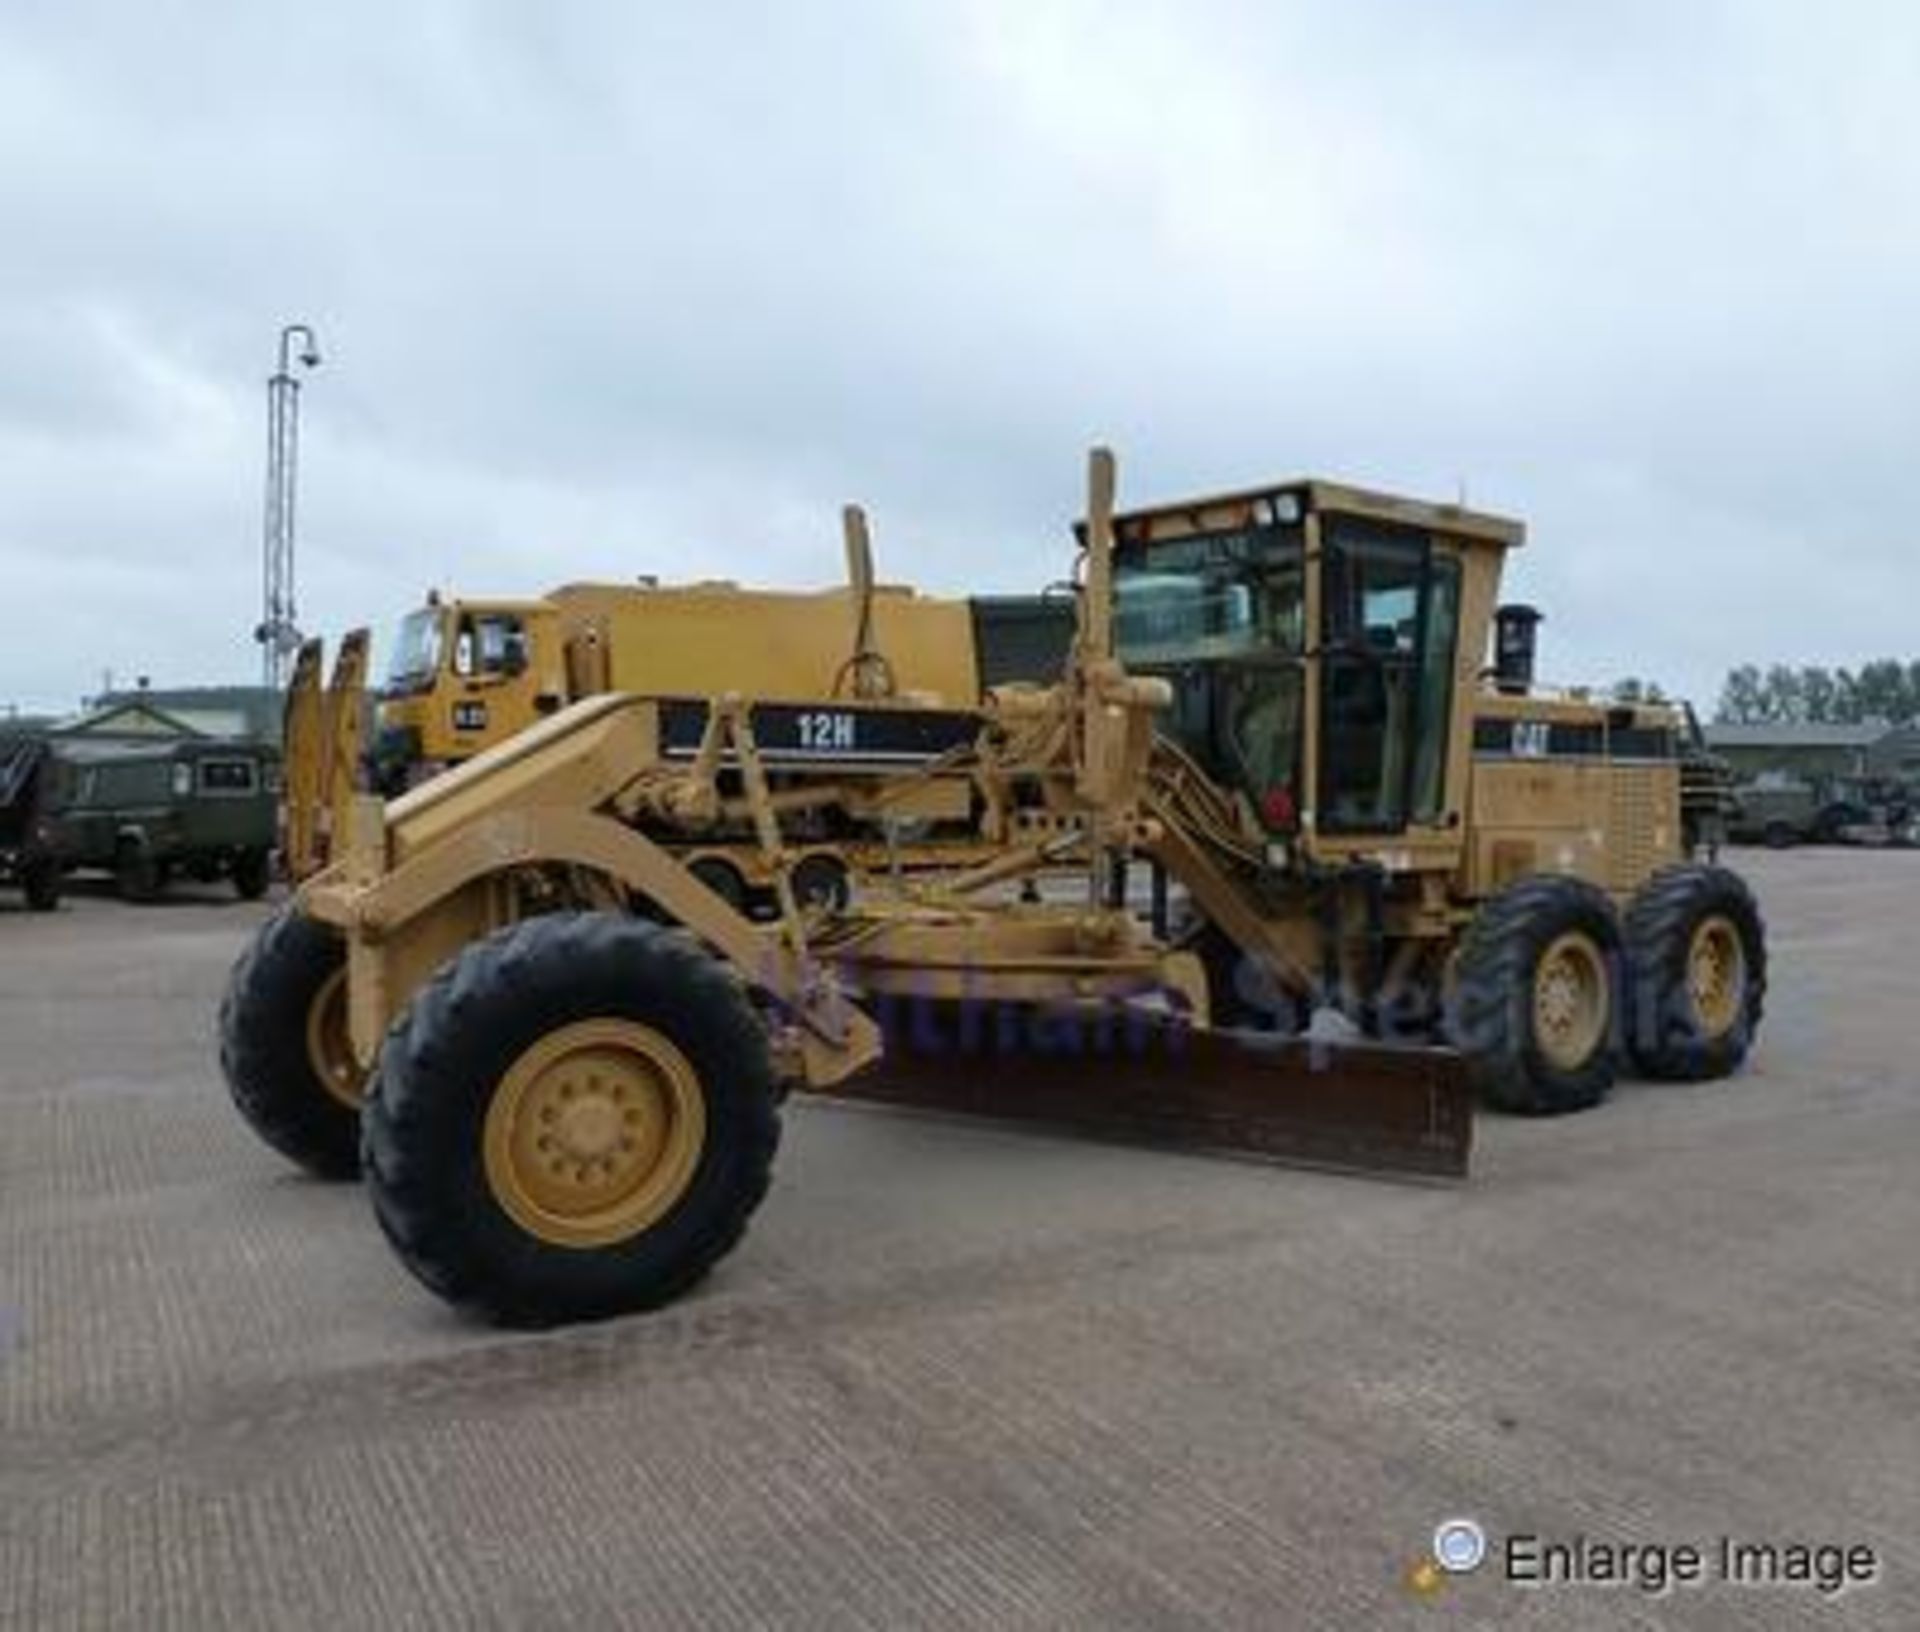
(1355, 1107)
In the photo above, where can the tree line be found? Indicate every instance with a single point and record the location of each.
(1885, 689)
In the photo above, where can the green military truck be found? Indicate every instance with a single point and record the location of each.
(200, 808)
(1777, 811)
(30, 848)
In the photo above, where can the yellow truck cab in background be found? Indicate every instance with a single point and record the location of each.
(466, 674)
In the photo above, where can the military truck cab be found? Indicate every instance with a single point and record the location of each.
(148, 813)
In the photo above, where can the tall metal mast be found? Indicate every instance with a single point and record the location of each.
(279, 633)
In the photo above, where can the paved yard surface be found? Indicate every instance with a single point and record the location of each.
(963, 1377)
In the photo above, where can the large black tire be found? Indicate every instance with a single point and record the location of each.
(1492, 1012)
(1671, 1034)
(137, 872)
(40, 883)
(470, 1032)
(252, 872)
(1779, 835)
(264, 1045)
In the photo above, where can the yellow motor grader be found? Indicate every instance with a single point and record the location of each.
(467, 674)
(1276, 777)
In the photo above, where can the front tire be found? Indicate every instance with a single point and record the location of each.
(284, 1049)
(1535, 1002)
(1697, 952)
(40, 883)
(574, 1119)
(252, 872)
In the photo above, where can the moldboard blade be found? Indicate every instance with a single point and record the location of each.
(1357, 1107)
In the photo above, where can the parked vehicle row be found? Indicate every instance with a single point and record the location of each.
(1780, 811)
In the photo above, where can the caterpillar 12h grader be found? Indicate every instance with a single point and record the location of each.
(1273, 778)
(465, 675)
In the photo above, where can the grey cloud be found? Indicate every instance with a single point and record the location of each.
(615, 289)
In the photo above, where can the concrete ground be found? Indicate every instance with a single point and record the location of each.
(964, 1377)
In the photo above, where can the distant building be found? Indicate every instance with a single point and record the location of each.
(1813, 752)
(133, 718)
(1897, 754)
(182, 711)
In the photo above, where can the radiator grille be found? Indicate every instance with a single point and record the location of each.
(1635, 844)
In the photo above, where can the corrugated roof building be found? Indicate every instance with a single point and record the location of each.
(1806, 748)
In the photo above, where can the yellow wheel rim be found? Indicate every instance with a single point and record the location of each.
(1716, 975)
(1572, 1002)
(330, 1044)
(594, 1133)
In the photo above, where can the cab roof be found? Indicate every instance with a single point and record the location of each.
(1291, 500)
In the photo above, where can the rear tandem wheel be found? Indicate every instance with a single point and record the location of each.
(1697, 950)
(1535, 1006)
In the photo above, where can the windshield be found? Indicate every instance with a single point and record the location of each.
(1220, 595)
(416, 649)
(1222, 617)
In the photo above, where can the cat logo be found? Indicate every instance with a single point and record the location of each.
(1531, 739)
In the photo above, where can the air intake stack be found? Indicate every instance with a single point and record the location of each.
(1515, 632)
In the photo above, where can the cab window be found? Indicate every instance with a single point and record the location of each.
(1222, 618)
(227, 776)
(1436, 690)
(1390, 607)
(490, 643)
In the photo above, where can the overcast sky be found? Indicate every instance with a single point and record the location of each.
(623, 288)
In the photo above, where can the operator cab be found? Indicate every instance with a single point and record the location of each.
(1220, 614)
(475, 644)
(1256, 606)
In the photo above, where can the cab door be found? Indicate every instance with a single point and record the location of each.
(494, 678)
(1389, 623)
